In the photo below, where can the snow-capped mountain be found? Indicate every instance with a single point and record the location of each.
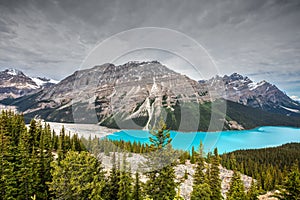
(262, 95)
(14, 84)
(135, 90)
(135, 94)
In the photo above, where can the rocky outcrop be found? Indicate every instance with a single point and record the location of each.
(264, 95)
(186, 185)
(14, 84)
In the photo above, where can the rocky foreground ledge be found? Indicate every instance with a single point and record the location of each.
(186, 186)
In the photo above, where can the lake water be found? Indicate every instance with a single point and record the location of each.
(225, 141)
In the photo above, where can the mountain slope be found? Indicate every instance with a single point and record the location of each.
(14, 84)
(138, 91)
(257, 95)
(134, 95)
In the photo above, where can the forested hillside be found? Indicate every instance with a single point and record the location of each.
(37, 163)
(269, 166)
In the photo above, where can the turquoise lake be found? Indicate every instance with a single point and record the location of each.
(225, 141)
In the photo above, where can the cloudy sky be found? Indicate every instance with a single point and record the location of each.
(257, 38)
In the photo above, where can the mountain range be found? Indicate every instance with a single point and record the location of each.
(14, 83)
(135, 94)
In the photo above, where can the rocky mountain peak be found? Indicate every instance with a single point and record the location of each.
(236, 76)
(14, 83)
(13, 72)
(134, 90)
(264, 95)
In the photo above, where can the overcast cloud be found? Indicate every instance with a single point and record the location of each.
(257, 38)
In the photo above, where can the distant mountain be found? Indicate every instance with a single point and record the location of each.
(135, 94)
(14, 84)
(263, 95)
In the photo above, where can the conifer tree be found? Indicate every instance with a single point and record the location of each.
(215, 181)
(61, 150)
(74, 177)
(112, 188)
(201, 188)
(161, 184)
(125, 183)
(291, 187)
(8, 184)
(201, 191)
(44, 162)
(193, 155)
(25, 173)
(199, 176)
(237, 190)
(253, 191)
(137, 191)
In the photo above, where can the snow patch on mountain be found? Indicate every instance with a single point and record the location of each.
(290, 109)
(254, 85)
(43, 81)
(13, 72)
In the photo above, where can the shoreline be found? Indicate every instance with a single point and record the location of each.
(82, 130)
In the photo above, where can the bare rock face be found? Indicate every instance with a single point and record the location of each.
(135, 90)
(262, 95)
(14, 84)
(135, 94)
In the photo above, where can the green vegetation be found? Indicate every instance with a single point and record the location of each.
(37, 163)
(268, 166)
(201, 187)
(291, 187)
(161, 176)
(180, 116)
(191, 111)
(27, 155)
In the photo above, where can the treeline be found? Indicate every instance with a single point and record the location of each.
(39, 164)
(104, 145)
(269, 166)
(26, 155)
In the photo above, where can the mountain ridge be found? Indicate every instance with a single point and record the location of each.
(263, 94)
(14, 83)
(134, 94)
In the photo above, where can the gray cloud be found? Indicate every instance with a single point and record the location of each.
(260, 38)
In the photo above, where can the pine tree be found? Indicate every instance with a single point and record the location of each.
(199, 176)
(161, 184)
(98, 183)
(112, 188)
(32, 134)
(44, 161)
(74, 177)
(201, 191)
(25, 173)
(253, 191)
(61, 150)
(214, 179)
(193, 155)
(8, 182)
(125, 183)
(291, 187)
(237, 190)
(137, 191)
